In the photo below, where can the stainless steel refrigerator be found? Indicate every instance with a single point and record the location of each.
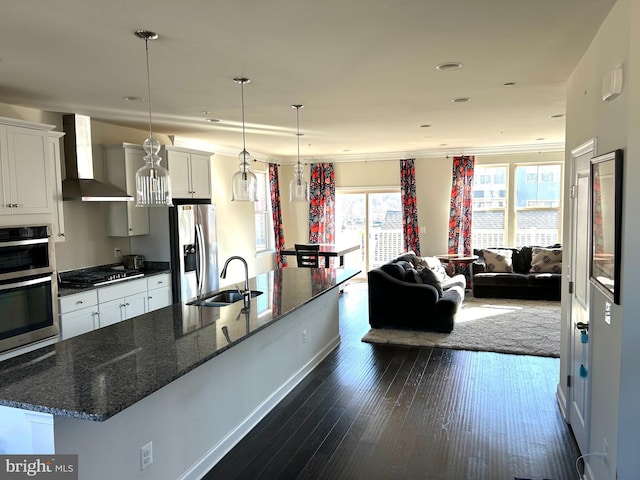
(194, 250)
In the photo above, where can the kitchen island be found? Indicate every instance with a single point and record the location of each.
(192, 380)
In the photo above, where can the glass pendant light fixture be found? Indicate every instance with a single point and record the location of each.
(153, 183)
(298, 187)
(244, 182)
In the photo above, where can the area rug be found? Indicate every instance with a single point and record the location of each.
(525, 327)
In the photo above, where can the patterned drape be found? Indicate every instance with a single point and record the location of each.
(276, 213)
(460, 206)
(409, 205)
(322, 203)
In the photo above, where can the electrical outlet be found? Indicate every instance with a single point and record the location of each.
(605, 450)
(304, 336)
(117, 253)
(146, 455)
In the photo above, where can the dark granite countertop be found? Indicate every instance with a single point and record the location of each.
(98, 374)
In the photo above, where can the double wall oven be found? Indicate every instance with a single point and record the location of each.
(28, 286)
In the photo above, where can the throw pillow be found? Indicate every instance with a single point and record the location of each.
(546, 260)
(498, 260)
(411, 275)
(428, 277)
(408, 257)
(435, 265)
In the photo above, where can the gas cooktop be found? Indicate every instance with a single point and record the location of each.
(96, 278)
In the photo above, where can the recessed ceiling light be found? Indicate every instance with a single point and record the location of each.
(444, 144)
(557, 115)
(131, 98)
(211, 120)
(342, 150)
(509, 84)
(538, 139)
(426, 125)
(461, 100)
(449, 66)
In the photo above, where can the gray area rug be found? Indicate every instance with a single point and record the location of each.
(525, 327)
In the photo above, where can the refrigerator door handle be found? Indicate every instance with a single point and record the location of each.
(201, 259)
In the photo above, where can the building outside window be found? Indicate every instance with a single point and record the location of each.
(264, 232)
(519, 206)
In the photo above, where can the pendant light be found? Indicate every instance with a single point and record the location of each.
(244, 182)
(298, 187)
(153, 184)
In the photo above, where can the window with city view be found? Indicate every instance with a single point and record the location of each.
(516, 205)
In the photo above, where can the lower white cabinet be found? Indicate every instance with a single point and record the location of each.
(159, 292)
(120, 309)
(122, 301)
(78, 313)
(88, 310)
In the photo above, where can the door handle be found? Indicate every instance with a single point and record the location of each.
(583, 327)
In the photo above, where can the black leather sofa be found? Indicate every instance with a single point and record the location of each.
(522, 282)
(397, 301)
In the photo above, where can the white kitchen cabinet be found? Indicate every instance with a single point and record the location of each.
(58, 208)
(78, 313)
(159, 292)
(25, 168)
(121, 162)
(122, 301)
(190, 172)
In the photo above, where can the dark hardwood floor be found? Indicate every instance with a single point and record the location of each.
(374, 412)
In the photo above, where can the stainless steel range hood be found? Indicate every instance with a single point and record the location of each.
(80, 184)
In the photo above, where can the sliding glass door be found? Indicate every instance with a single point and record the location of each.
(372, 219)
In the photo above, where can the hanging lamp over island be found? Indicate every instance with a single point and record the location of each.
(244, 182)
(153, 183)
(298, 187)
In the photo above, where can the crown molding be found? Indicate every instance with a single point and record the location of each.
(380, 157)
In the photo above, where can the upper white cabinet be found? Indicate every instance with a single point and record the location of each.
(190, 172)
(121, 162)
(58, 210)
(26, 181)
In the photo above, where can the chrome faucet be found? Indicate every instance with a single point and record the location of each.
(246, 293)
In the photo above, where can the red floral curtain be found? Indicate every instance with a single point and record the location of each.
(276, 213)
(322, 203)
(409, 205)
(460, 206)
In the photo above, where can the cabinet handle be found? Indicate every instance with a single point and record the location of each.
(160, 282)
(79, 302)
(17, 205)
(150, 298)
(62, 235)
(126, 304)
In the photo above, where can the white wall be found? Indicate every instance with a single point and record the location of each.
(615, 383)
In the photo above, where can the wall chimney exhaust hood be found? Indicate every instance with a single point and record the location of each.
(80, 184)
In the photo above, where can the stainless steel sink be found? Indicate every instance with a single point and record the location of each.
(222, 298)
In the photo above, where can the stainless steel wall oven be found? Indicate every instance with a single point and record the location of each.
(28, 286)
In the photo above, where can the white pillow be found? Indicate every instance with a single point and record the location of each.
(546, 260)
(498, 260)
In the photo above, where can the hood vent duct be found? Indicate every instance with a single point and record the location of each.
(78, 160)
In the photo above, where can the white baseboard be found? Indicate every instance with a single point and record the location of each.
(215, 454)
(562, 403)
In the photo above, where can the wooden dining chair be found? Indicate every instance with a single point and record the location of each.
(308, 255)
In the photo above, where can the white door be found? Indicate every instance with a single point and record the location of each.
(579, 297)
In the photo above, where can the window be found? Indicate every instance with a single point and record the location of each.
(523, 211)
(264, 232)
(489, 206)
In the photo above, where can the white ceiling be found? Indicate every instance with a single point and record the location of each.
(364, 69)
